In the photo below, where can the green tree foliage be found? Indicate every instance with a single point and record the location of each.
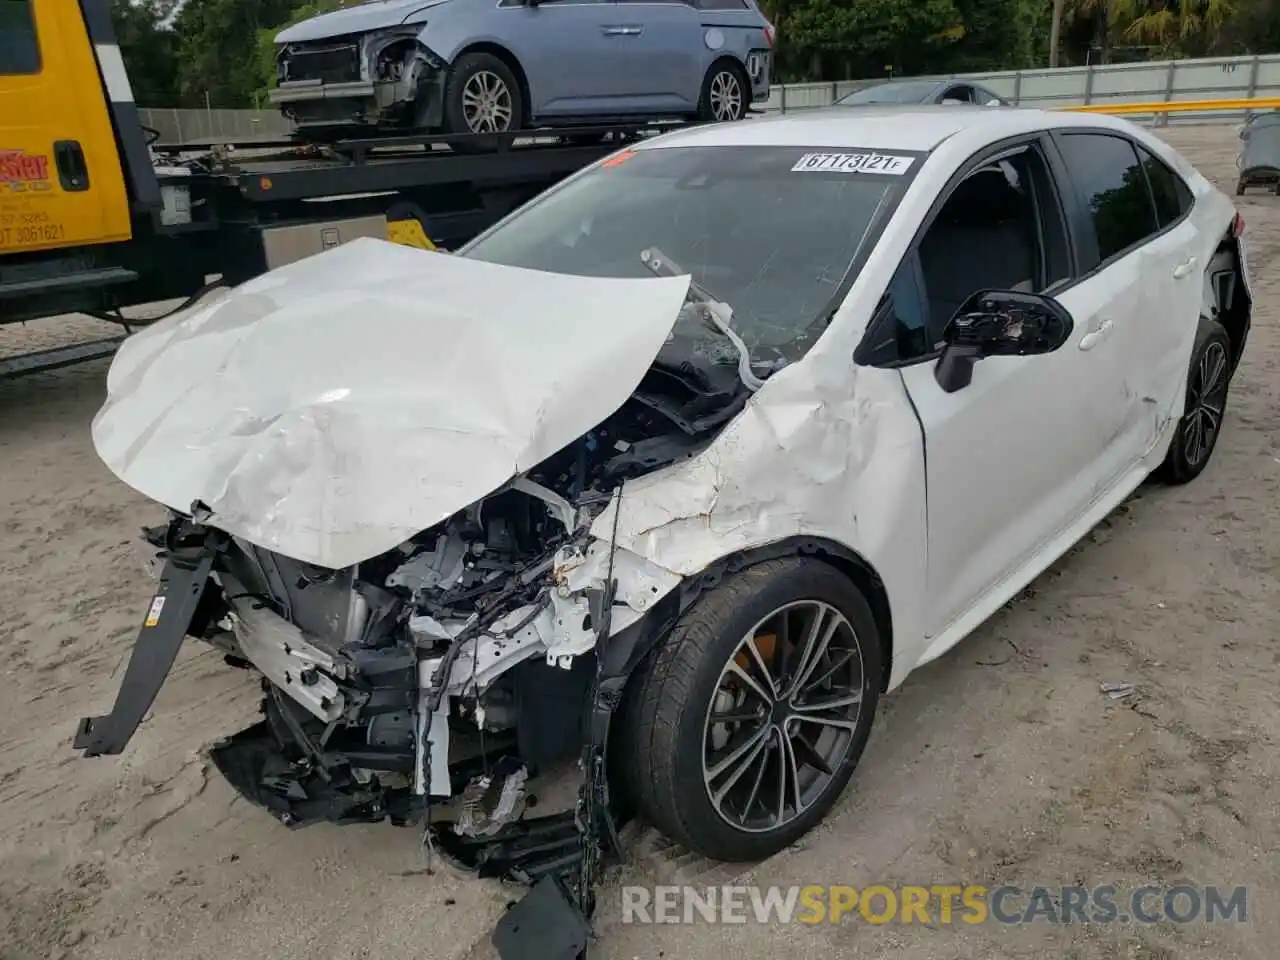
(218, 53)
(150, 49)
(266, 53)
(839, 39)
(224, 49)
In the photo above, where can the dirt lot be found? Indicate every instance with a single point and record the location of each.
(1003, 763)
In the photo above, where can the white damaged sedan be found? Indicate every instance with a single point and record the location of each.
(676, 470)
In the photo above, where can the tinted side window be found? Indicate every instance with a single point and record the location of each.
(19, 48)
(1171, 194)
(1113, 188)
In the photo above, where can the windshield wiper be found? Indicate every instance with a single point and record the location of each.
(718, 313)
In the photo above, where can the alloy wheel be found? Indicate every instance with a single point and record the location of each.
(726, 96)
(1206, 400)
(486, 103)
(783, 716)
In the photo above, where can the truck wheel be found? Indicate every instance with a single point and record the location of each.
(1207, 383)
(482, 96)
(725, 92)
(743, 726)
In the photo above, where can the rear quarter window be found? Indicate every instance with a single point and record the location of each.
(19, 47)
(1172, 196)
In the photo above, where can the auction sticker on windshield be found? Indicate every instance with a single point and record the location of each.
(853, 163)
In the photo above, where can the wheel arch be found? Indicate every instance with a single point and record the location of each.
(1234, 305)
(631, 646)
(732, 59)
(512, 63)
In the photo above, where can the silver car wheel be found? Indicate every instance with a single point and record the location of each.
(486, 103)
(1203, 419)
(783, 716)
(726, 96)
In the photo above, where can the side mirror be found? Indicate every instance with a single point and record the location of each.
(999, 323)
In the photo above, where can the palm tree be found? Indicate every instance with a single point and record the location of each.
(1169, 23)
(1055, 31)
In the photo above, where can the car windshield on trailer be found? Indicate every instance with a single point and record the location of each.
(774, 232)
(907, 91)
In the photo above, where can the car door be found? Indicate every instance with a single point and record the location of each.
(1142, 275)
(1177, 282)
(1012, 459)
(571, 53)
(662, 54)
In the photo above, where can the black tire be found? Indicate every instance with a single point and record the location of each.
(1197, 433)
(723, 74)
(467, 69)
(666, 717)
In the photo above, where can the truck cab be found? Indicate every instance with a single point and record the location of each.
(61, 179)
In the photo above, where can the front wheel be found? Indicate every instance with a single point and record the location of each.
(482, 96)
(1208, 380)
(725, 93)
(744, 726)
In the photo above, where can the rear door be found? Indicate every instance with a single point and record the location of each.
(1147, 280)
(60, 180)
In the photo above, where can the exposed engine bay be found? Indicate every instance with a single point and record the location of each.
(383, 78)
(450, 669)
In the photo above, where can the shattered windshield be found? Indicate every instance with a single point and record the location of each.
(770, 231)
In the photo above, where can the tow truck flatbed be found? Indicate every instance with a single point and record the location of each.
(235, 210)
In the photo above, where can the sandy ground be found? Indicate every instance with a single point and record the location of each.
(1002, 763)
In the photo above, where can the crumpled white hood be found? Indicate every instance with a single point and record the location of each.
(333, 408)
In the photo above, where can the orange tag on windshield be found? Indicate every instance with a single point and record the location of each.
(619, 158)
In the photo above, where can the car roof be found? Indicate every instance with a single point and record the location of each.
(909, 127)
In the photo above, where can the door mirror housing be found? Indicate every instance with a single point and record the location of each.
(999, 323)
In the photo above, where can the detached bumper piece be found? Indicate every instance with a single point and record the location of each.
(550, 922)
(286, 765)
(166, 624)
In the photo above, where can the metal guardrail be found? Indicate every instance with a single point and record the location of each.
(1216, 80)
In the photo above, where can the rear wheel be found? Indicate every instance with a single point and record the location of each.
(1208, 381)
(482, 96)
(725, 93)
(744, 726)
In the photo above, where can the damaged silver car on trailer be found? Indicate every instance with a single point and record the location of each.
(685, 463)
(497, 66)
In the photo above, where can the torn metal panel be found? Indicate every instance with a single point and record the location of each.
(822, 449)
(332, 409)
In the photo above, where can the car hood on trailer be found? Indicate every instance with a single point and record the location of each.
(333, 408)
(358, 19)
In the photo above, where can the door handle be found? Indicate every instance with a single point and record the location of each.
(1100, 332)
(1184, 268)
(73, 172)
(627, 31)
